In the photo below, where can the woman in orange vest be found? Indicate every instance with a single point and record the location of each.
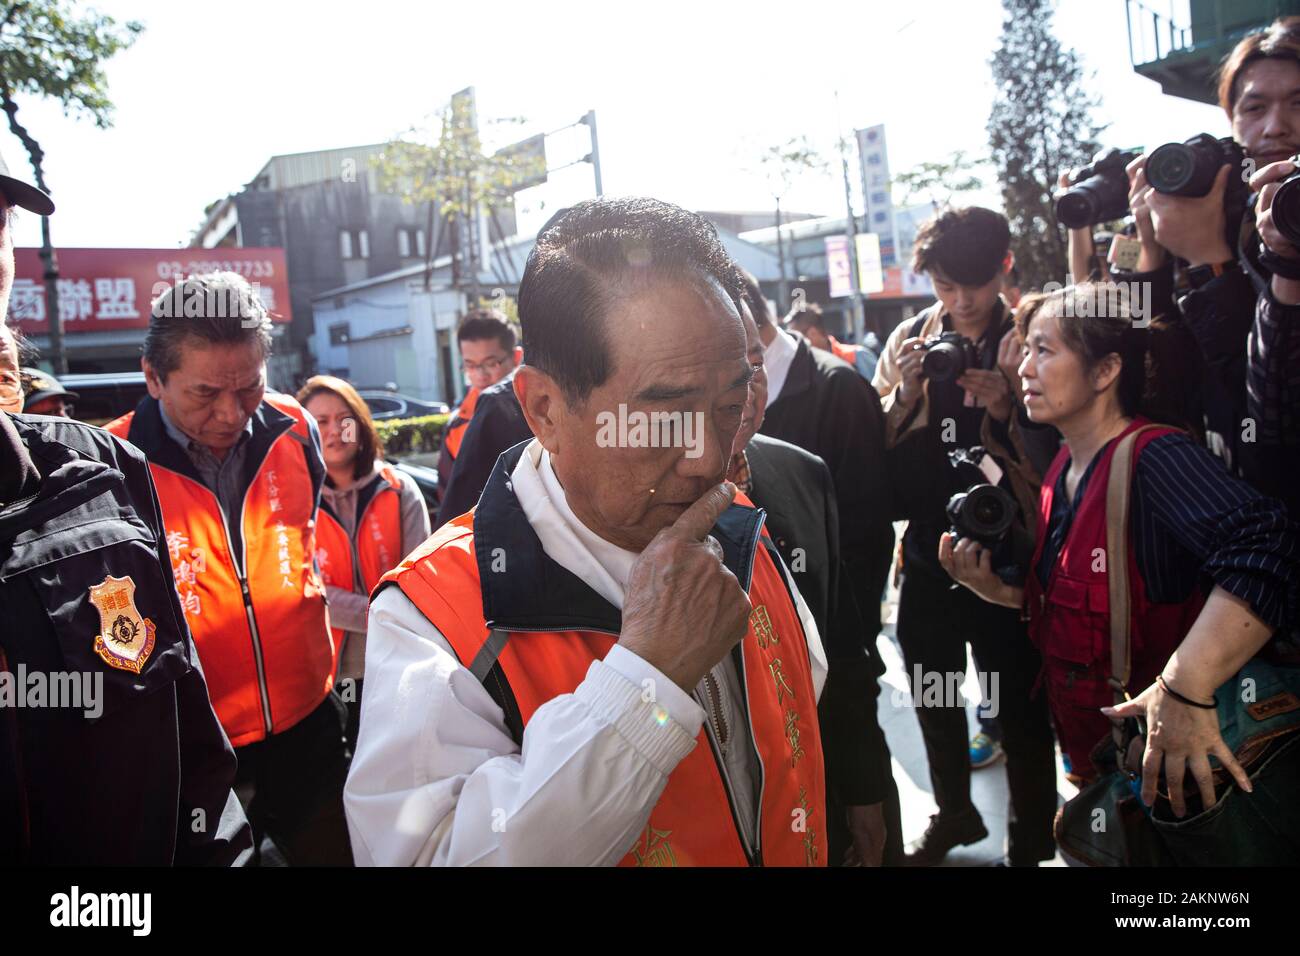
(371, 516)
(1211, 563)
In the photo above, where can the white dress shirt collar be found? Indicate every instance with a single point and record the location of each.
(777, 358)
(605, 567)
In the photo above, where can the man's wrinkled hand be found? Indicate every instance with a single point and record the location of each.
(684, 610)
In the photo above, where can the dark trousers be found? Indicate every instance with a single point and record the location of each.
(297, 778)
(935, 622)
(353, 724)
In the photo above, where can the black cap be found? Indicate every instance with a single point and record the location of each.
(19, 193)
(38, 386)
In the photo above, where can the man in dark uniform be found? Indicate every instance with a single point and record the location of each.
(110, 752)
(498, 424)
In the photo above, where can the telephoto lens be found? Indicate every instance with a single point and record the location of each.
(1286, 206)
(1189, 169)
(1098, 192)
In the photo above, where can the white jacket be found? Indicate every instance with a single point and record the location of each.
(437, 778)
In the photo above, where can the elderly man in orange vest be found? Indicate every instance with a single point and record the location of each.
(239, 472)
(605, 662)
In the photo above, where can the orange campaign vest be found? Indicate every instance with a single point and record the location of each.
(692, 824)
(263, 639)
(849, 353)
(376, 544)
(459, 423)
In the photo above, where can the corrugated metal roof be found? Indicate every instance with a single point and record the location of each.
(325, 165)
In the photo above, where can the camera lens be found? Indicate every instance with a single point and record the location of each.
(1076, 209)
(983, 513)
(1170, 167)
(1286, 209)
(942, 363)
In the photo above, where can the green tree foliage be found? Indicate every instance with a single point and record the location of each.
(447, 165)
(49, 50)
(1040, 125)
(937, 182)
(784, 163)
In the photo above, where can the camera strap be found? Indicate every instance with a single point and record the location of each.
(1278, 265)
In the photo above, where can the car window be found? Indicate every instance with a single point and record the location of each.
(383, 405)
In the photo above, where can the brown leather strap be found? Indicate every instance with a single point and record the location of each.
(1118, 495)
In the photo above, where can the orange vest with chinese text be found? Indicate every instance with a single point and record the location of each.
(263, 637)
(374, 547)
(693, 822)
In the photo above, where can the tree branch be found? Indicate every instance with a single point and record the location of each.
(33, 148)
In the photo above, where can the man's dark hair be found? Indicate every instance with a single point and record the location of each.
(216, 308)
(480, 324)
(967, 245)
(753, 294)
(807, 316)
(588, 255)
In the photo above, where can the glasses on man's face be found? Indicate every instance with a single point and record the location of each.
(488, 365)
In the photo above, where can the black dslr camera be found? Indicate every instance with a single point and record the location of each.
(1188, 169)
(1098, 192)
(982, 512)
(948, 356)
(987, 514)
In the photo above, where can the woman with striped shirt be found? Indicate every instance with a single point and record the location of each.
(1212, 563)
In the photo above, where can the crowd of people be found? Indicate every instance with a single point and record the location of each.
(658, 645)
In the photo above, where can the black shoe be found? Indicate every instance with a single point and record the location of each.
(943, 834)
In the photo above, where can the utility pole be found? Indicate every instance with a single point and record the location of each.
(54, 320)
(783, 287)
(851, 230)
(594, 156)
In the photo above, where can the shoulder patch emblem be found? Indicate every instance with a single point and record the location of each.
(125, 639)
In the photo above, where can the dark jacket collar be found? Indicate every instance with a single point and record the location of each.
(149, 434)
(539, 594)
(70, 477)
(19, 476)
(803, 369)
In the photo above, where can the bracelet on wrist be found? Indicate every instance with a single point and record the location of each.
(1164, 685)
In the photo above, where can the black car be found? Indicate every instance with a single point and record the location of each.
(104, 396)
(426, 479)
(384, 405)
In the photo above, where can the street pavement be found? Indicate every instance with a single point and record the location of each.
(911, 769)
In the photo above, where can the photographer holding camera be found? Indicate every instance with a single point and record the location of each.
(1209, 568)
(940, 377)
(1191, 203)
(1273, 359)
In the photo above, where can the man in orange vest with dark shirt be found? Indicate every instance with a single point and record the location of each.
(239, 472)
(488, 353)
(605, 662)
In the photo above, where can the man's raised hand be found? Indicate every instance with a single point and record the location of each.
(684, 611)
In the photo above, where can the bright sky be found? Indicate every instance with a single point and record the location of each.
(687, 94)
